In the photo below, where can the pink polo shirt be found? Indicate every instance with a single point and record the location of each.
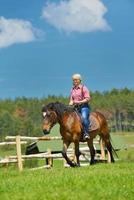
(79, 93)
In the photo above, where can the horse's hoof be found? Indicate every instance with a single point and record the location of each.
(92, 162)
(74, 165)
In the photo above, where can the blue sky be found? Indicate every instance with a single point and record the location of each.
(42, 43)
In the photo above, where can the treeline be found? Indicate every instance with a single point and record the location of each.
(23, 115)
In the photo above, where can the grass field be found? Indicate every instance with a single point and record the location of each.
(101, 181)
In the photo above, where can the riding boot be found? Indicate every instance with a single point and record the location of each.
(86, 136)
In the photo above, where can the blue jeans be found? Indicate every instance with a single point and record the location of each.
(85, 112)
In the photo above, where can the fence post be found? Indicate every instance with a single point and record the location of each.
(50, 160)
(18, 151)
(102, 150)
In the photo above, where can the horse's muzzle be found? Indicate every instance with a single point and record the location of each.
(46, 132)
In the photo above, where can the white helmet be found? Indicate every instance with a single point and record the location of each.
(77, 76)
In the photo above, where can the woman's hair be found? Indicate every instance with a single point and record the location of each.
(77, 76)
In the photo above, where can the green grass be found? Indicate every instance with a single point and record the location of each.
(126, 153)
(101, 181)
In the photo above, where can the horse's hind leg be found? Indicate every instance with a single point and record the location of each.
(109, 148)
(92, 151)
(106, 139)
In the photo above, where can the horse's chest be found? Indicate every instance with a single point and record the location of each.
(70, 127)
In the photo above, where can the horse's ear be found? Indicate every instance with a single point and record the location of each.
(51, 106)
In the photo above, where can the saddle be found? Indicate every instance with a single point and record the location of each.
(94, 124)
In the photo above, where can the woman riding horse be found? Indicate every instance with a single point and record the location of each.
(80, 98)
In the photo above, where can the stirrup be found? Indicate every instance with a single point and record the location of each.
(86, 136)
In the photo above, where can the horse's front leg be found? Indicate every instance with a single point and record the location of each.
(64, 153)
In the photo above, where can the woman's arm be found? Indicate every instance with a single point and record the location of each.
(86, 100)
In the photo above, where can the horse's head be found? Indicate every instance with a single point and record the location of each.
(49, 118)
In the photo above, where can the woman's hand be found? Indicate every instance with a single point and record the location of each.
(86, 100)
(71, 103)
(76, 102)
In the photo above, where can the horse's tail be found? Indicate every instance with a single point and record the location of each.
(104, 133)
(113, 149)
(109, 144)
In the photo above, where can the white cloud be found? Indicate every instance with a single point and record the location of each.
(76, 15)
(16, 31)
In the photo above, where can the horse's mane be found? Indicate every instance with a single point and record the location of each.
(58, 107)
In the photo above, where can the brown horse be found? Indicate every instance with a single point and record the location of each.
(71, 129)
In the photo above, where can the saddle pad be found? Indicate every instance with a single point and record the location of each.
(93, 123)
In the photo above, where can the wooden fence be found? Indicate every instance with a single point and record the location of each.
(48, 155)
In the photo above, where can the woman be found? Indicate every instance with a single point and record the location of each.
(80, 97)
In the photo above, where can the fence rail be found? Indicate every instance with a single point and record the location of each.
(34, 138)
(49, 156)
